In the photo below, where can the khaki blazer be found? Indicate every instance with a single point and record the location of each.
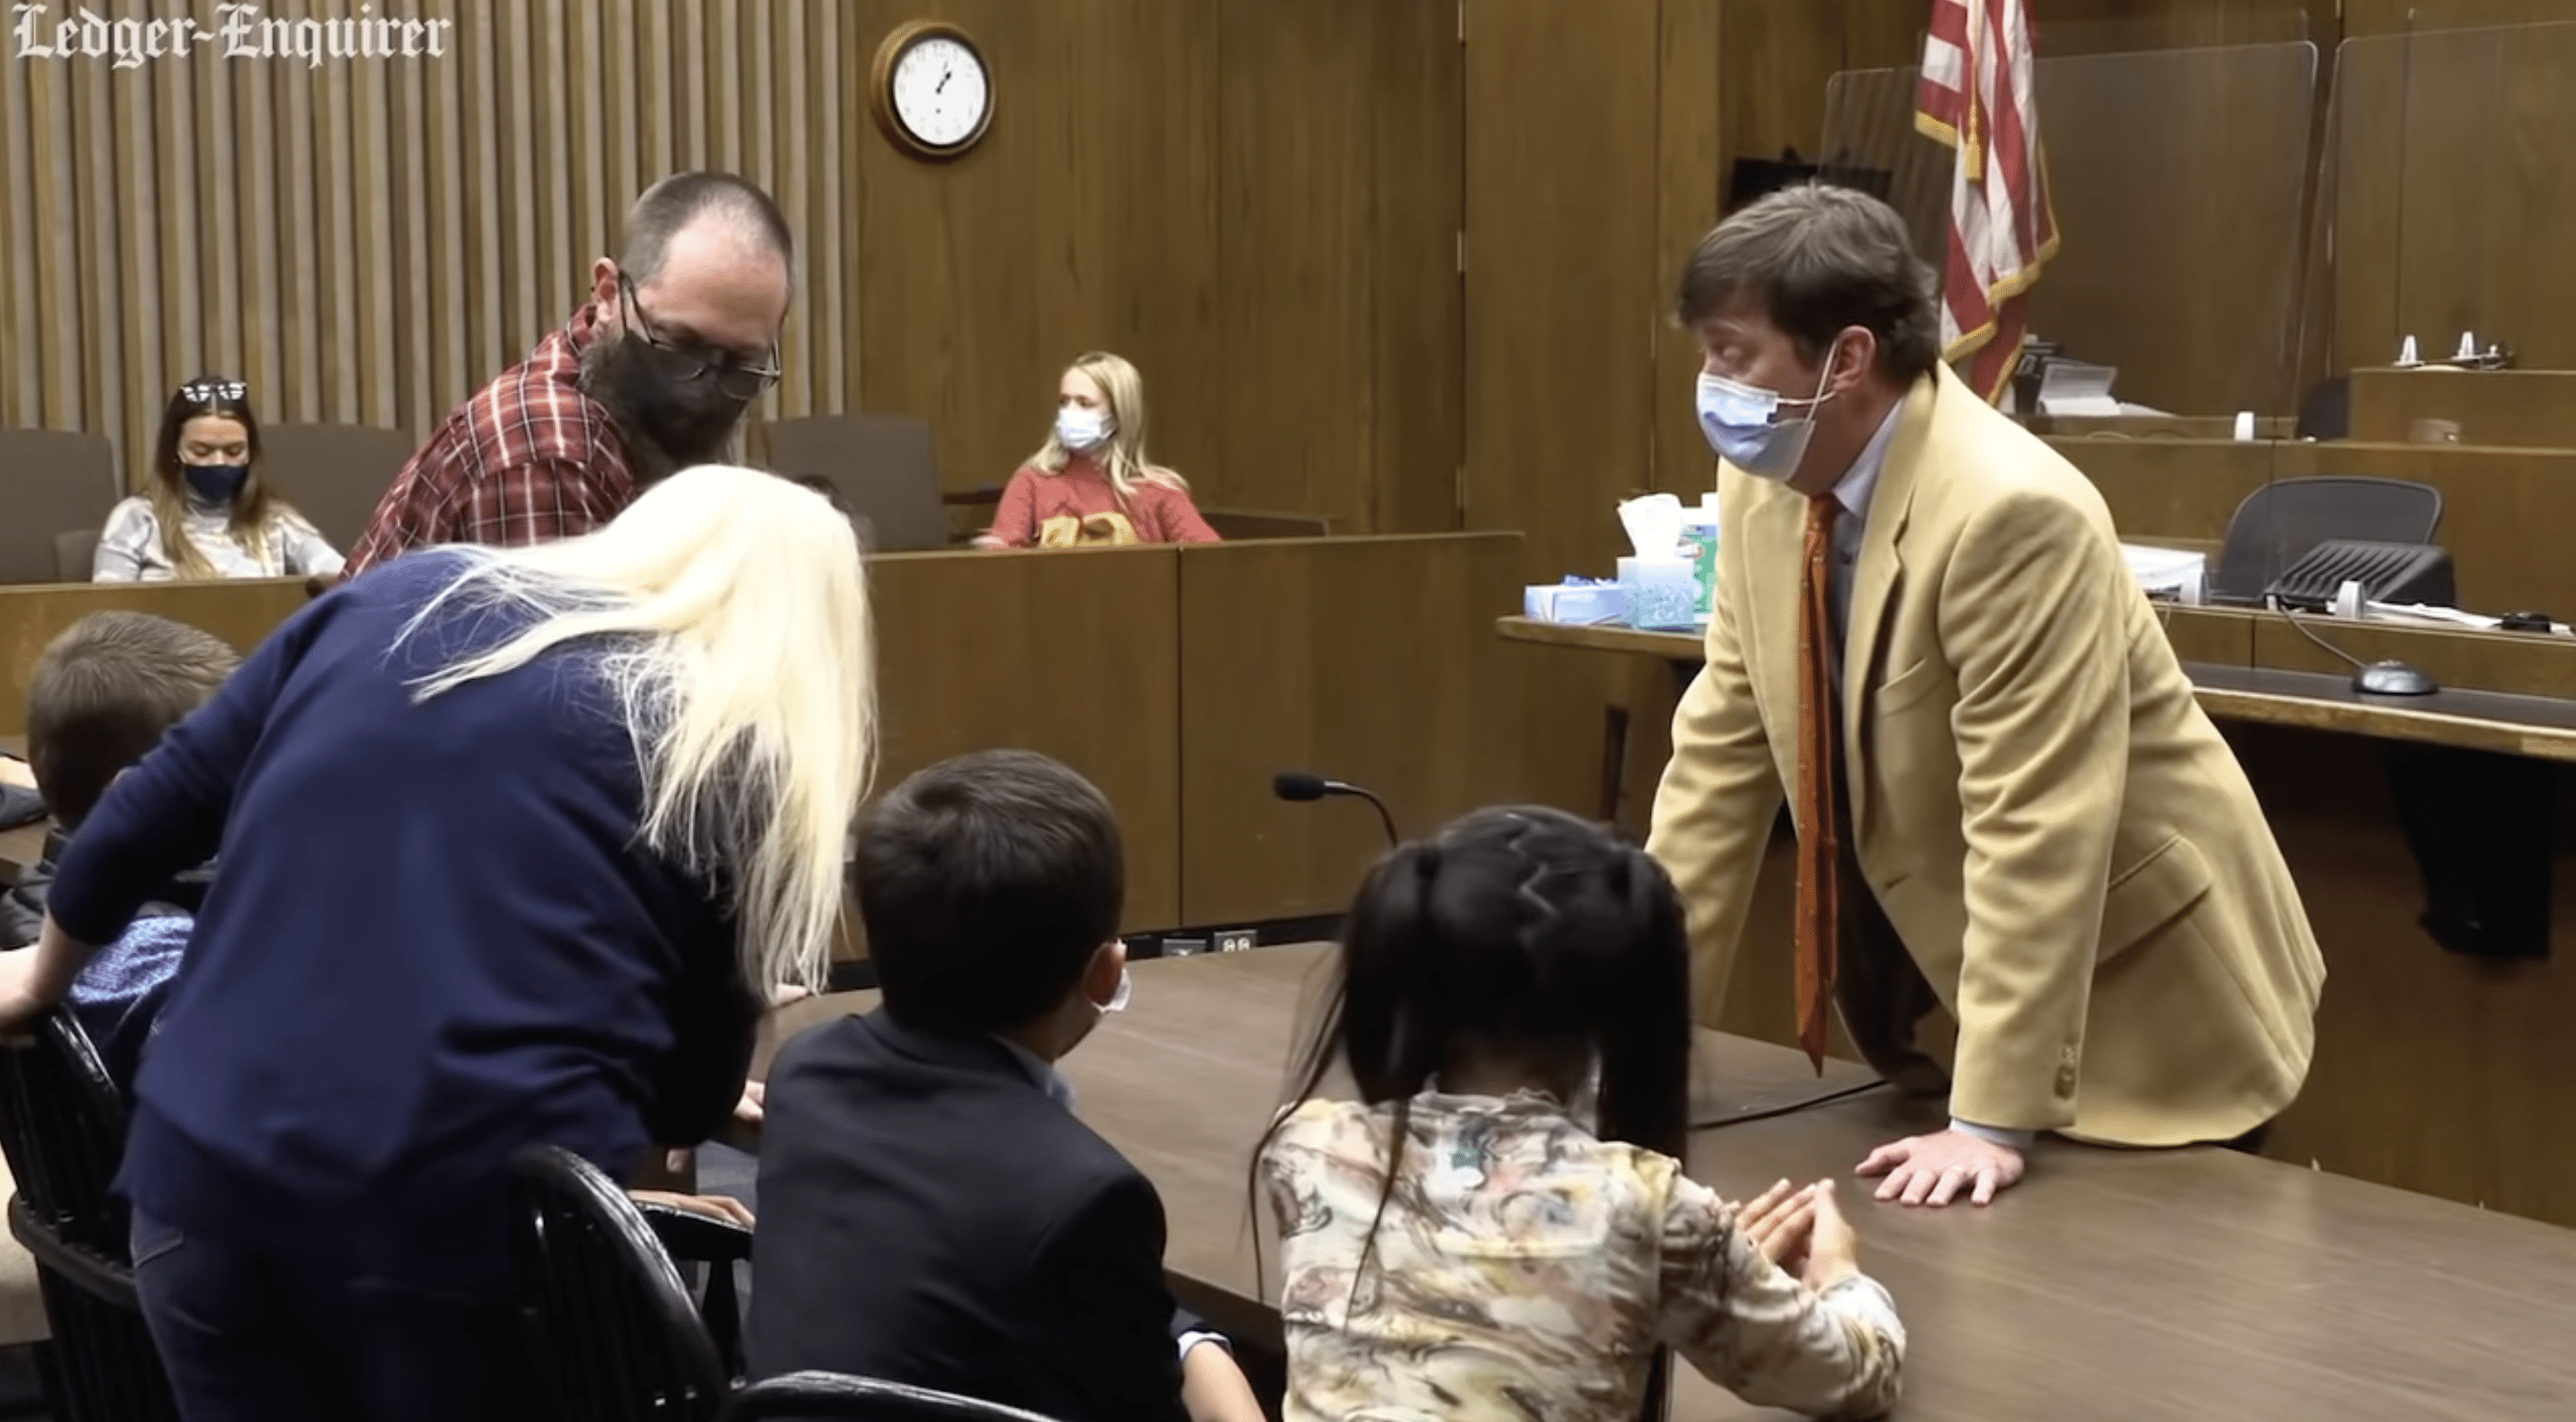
(2070, 853)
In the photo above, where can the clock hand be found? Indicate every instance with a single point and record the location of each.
(944, 76)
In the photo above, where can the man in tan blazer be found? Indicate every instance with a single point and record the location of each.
(2067, 854)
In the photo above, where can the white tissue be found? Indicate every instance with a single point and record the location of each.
(1654, 525)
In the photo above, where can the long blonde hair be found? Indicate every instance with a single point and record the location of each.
(731, 616)
(1123, 462)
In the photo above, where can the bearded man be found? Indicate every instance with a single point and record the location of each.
(651, 375)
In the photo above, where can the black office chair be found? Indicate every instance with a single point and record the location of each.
(2279, 523)
(837, 1395)
(62, 1126)
(613, 1332)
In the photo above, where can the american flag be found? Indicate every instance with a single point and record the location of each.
(1977, 97)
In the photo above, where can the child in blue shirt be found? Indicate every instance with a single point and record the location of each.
(100, 697)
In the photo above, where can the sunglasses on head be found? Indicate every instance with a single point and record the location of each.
(207, 392)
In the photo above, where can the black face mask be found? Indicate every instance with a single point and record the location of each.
(683, 419)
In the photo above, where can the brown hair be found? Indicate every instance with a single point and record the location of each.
(1815, 260)
(103, 693)
(256, 511)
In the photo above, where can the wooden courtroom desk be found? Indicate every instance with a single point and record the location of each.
(2523, 408)
(2434, 1071)
(2501, 508)
(1359, 659)
(242, 612)
(2542, 727)
(2139, 1286)
(1181, 680)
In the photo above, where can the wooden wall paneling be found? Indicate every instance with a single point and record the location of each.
(1367, 660)
(2452, 157)
(2171, 488)
(2126, 26)
(1141, 179)
(1073, 654)
(2179, 179)
(1418, 350)
(1691, 164)
(1562, 283)
(370, 240)
(1298, 299)
(2365, 18)
(1084, 220)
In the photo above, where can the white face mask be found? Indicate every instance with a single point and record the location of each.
(1078, 429)
(1738, 420)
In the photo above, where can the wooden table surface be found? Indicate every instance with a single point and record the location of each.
(2136, 1286)
(2541, 727)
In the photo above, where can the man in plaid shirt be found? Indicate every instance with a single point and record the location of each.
(652, 375)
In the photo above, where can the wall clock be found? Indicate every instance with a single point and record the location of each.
(931, 90)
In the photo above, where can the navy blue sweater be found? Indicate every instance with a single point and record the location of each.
(434, 940)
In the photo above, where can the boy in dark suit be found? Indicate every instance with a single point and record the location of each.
(932, 1212)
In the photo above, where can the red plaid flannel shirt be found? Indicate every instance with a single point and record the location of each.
(528, 459)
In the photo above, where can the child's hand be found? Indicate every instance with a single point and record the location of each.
(1833, 1246)
(1778, 1222)
(722, 1207)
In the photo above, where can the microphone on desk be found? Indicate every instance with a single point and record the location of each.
(1298, 787)
(2369, 678)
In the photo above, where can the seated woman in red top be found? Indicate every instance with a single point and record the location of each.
(1091, 484)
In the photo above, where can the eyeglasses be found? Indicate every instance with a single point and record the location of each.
(208, 392)
(733, 375)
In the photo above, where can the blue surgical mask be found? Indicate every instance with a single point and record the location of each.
(216, 483)
(1078, 429)
(1738, 420)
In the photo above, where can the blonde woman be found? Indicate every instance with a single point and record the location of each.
(1092, 483)
(206, 514)
(516, 837)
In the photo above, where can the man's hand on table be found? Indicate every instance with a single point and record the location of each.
(1934, 1169)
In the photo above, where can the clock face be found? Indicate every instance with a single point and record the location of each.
(940, 92)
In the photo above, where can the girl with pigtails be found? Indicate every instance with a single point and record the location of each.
(1500, 1225)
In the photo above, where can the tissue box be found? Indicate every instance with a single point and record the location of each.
(1664, 594)
(1585, 603)
(1699, 545)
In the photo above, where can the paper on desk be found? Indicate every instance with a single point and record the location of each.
(2445, 616)
(2072, 387)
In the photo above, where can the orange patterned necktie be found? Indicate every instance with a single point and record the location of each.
(1819, 831)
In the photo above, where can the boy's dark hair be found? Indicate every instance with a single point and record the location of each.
(103, 693)
(987, 883)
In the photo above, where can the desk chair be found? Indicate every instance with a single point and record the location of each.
(75, 555)
(333, 474)
(62, 1126)
(886, 467)
(50, 480)
(2280, 522)
(1240, 525)
(836, 1395)
(613, 1330)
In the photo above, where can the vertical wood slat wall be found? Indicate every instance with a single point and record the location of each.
(368, 239)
